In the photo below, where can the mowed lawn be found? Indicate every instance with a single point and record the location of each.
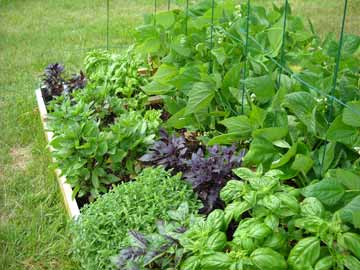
(34, 33)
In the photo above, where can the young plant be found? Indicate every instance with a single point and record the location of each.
(208, 174)
(52, 81)
(169, 151)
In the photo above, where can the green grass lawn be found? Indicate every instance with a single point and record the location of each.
(34, 33)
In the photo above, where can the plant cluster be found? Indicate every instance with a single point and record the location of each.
(276, 228)
(286, 125)
(294, 206)
(102, 227)
(101, 131)
(54, 82)
(207, 172)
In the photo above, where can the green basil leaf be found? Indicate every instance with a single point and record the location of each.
(216, 241)
(324, 263)
(260, 231)
(311, 206)
(268, 259)
(216, 220)
(216, 261)
(305, 252)
(350, 241)
(236, 209)
(232, 191)
(191, 263)
(351, 263)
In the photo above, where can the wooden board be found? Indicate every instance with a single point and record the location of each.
(66, 190)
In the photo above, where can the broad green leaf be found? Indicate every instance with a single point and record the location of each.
(228, 138)
(199, 97)
(260, 231)
(165, 18)
(180, 45)
(348, 212)
(351, 114)
(235, 209)
(216, 241)
(275, 34)
(268, 259)
(350, 241)
(324, 263)
(156, 88)
(191, 263)
(312, 207)
(245, 173)
(271, 134)
(216, 220)
(216, 261)
(348, 178)
(261, 151)
(340, 132)
(232, 191)
(328, 191)
(232, 78)
(179, 120)
(329, 156)
(301, 104)
(263, 87)
(165, 73)
(351, 44)
(285, 158)
(220, 55)
(272, 221)
(257, 116)
(351, 262)
(302, 163)
(277, 240)
(305, 253)
(238, 124)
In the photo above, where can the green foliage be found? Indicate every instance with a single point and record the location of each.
(102, 130)
(286, 126)
(276, 228)
(101, 230)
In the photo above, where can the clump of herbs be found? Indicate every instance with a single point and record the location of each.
(169, 151)
(54, 82)
(209, 173)
(101, 230)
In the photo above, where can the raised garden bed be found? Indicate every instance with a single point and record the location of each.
(273, 162)
(71, 205)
